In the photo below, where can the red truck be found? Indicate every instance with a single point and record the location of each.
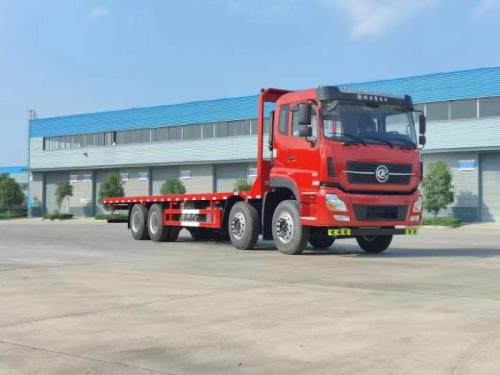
(343, 164)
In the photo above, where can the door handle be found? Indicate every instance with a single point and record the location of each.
(291, 158)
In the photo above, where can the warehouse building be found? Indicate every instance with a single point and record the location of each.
(210, 144)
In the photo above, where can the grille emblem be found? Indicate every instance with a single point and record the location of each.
(382, 173)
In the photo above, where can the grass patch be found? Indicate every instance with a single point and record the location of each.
(112, 217)
(12, 215)
(57, 216)
(451, 222)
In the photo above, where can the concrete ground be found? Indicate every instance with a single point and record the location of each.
(83, 297)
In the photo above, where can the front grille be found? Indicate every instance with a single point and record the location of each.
(379, 213)
(364, 173)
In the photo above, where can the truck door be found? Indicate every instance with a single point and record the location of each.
(302, 155)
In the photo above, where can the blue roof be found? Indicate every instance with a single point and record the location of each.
(464, 84)
(14, 170)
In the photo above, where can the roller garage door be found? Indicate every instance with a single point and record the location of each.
(490, 181)
(227, 174)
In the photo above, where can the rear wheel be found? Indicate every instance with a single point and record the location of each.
(289, 235)
(138, 222)
(243, 226)
(157, 231)
(319, 238)
(374, 244)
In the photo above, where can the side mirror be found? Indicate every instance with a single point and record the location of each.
(422, 140)
(422, 124)
(305, 113)
(305, 131)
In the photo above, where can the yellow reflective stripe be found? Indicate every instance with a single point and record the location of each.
(410, 231)
(339, 232)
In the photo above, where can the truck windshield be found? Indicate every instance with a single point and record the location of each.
(383, 124)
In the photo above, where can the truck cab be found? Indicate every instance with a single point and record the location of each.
(351, 159)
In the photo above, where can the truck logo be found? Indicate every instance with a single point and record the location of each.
(382, 173)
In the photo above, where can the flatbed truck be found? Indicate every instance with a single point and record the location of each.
(343, 164)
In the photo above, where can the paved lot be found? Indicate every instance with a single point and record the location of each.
(83, 297)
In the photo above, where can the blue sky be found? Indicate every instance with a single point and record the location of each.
(63, 57)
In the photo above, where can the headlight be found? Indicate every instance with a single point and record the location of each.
(334, 203)
(417, 207)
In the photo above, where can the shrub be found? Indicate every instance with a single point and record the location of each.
(173, 186)
(242, 185)
(451, 222)
(112, 217)
(57, 216)
(64, 189)
(112, 186)
(11, 195)
(437, 187)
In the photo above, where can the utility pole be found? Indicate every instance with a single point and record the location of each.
(32, 115)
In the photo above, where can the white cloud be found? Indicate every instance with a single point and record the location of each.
(98, 12)
(377, 17)
(484, 7)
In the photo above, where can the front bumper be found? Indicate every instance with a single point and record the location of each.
(354, 232)
(316, 213)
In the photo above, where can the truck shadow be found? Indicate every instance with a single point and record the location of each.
(354, 250)
(410, 253)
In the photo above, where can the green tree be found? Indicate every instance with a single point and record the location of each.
(112, 186)
(11, 194)
(64, 189)
(437, 187)
(242, 185)
(172, 187)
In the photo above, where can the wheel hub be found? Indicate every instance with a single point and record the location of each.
(135, 221)
(238, 226)
(154, 222)
(284, 227)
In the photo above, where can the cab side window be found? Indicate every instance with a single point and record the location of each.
(283, 122)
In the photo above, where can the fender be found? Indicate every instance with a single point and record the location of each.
(283, 182)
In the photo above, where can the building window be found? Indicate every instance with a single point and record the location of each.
(131, 136)
(437, 111)
(86, 178)
(489, 106)
(191, 132)
(221, 129)
(170, 133)
(208, 130)
(252, 172)
(185, 174)
(142, 176)
(463, 109)
(73, 178)
(124, 176)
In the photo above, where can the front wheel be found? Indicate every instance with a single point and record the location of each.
(289, 235)
(374, 244)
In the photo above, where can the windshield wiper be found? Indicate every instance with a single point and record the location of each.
(383, 140)
(354, 138)
(408, 142)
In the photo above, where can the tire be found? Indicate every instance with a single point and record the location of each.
(289, 235)
(319, 238)
(157, 231)
(138, 222)
(243, 226)
(374, 244)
